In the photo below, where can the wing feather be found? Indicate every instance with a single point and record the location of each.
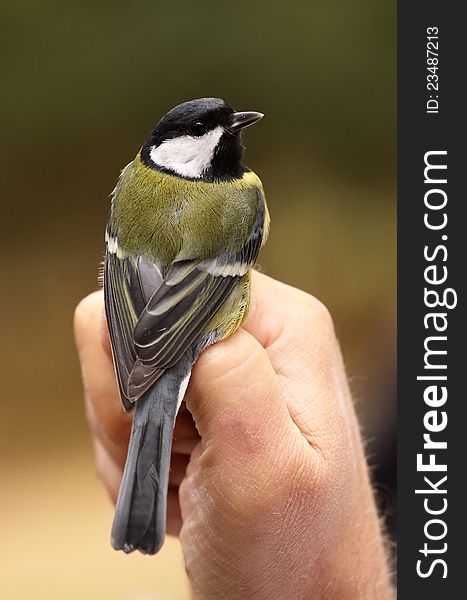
(161, 339)
(127, 286)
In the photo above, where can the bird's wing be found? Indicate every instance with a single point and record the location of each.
(150, 332)
(128, 286)
(176, 318)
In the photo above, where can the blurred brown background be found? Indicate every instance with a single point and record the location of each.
(82, 84)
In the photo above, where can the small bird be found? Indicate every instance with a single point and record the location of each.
(187, 221)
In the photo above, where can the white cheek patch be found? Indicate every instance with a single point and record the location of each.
(187, 155)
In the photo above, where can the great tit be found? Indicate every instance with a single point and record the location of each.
(187, 221)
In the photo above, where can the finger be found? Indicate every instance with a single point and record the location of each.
(178, 465)
(185, 446)
(250, 451)
(174, 518)
(185, 435)
(109, 472)
(184, 425)
(103, 407)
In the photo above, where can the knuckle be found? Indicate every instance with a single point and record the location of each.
(324, 315)
(81, 311)
(302, 490)
(318, 315)
(257, 492)
(293, 489)
(84, 311)
(79, 320)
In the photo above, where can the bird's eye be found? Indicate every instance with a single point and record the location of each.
(198, 128)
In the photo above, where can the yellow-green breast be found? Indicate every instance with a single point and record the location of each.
(165, 217)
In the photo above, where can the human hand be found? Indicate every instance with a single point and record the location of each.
(269, 487)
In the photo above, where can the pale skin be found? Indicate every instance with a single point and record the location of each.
(269, 488)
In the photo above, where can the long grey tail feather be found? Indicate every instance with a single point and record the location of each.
(140, 514)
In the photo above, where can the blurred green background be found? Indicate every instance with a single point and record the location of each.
(82, 84)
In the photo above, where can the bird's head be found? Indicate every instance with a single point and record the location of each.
(199, 139)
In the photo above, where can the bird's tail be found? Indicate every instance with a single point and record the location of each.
(140, 514)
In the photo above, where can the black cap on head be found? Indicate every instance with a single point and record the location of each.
(195, 119)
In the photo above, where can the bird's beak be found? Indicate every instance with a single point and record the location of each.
(239, 120)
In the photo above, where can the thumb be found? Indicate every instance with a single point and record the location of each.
(251, 467)
(235, 399)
